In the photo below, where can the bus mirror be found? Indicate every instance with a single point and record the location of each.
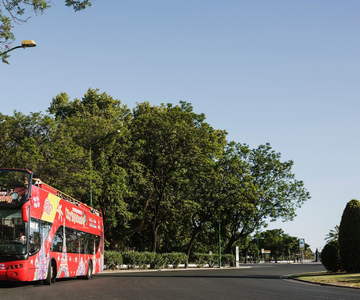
(25, 212)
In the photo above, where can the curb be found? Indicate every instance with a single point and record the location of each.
(171, 270)
(320, 283)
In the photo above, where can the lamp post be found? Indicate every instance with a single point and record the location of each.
(24, 44)
(219, 241)
(94, 144)
(258, 248)
(219, 221)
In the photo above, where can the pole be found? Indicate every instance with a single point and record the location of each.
(219, 241)
(17, 47)
(90, 178)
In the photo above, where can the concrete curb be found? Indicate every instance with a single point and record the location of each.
(171, 270)
(320, 283)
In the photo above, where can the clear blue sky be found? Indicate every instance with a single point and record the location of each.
(283, 72)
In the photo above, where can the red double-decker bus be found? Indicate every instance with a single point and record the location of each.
(45, 234)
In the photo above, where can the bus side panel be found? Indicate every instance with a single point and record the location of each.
(43, 207)
(69, 262)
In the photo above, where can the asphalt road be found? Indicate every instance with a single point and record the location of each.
(264, 281)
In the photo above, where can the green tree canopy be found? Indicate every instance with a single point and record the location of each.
(262, 188)
(333, 234)
(168, 143)
(349, 237)
(99, 122)
(161, 175)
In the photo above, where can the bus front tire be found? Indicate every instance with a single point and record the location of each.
(47, 280)
(50, 278)
(89, 273)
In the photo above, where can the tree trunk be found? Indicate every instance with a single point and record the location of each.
(154, 239)
(192, 240)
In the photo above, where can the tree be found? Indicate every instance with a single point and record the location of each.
(349, 237)
(330, 256)
(169, 144)
(281, 244)
(333, 234)
(274, 240)
(36, 142)
(94, 121)
(203, 194)
(263, 188)
(20, 11)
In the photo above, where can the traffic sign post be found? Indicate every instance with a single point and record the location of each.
(302, 249)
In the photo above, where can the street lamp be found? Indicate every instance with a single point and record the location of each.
(24, 44)
(94, 144)
(258, 248)
(219, 241)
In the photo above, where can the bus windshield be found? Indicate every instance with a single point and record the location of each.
(13, 242)
(14, 186)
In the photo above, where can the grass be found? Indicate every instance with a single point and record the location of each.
(338, 278)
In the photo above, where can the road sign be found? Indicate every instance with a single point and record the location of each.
(302, 243)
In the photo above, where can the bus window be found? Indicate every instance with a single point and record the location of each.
(97, 242)
(81, 241)
(34, 236)
(71, 241)
(13, 240)
(38, 233)
(57, 243)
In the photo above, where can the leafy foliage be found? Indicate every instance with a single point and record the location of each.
(349, 237)
(168, 143)
(279, 243)
(258, 187)
(20, 11)
(112, 259)
(330, 256)
(333, 234)
(97, 121)
(161, 175)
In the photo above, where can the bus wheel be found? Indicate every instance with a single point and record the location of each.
(48, 280)
(89, 273)
(53, 271)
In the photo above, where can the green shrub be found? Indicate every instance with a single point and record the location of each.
(149, 257)
(174, 259)
(199, 259)
(134, 259)
(112, 259)
(158, 262)
(349, 237)
(210, 260)
(330, 256)
(227, 259)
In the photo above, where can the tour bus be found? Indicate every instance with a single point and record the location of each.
(45, 234)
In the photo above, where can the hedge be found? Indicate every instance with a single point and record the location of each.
(330, 256)
(142, 260)
(112, 259)
(201, 259)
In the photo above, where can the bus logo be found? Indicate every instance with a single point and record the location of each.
(48, 207)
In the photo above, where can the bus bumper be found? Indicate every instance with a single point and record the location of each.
(13, 272)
